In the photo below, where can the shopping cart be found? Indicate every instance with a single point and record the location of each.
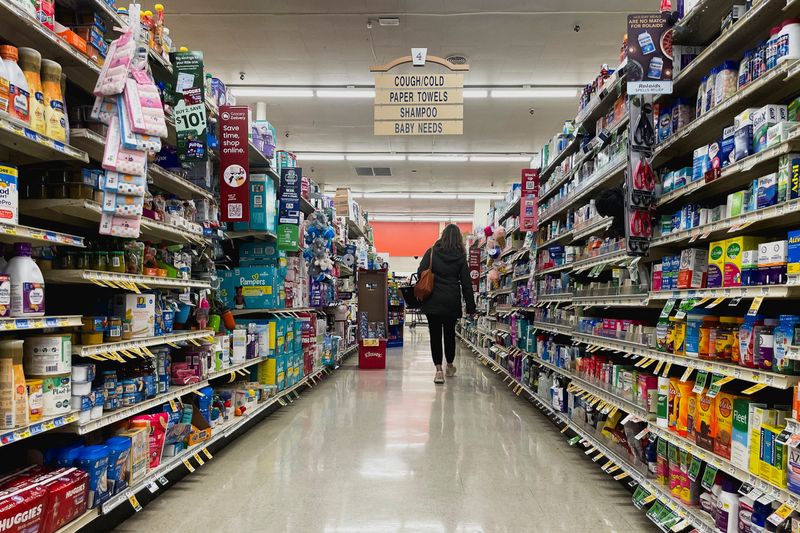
(414, 317)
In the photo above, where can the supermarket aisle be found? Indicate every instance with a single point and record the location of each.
(378, 452)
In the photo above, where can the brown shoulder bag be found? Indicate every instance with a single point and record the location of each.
(424, 287)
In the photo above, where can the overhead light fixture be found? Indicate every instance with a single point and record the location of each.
(268, 92)
(346, 93)
(389, 218)
(375, 157)
(385, 195)
(388, 21)
(476, 93)
(481, 196)
(444, 158)
(534, 93)
(433, 196)
(499, 158)
(319, 157)
(443, 218)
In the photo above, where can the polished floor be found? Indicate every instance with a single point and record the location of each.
(379, 452)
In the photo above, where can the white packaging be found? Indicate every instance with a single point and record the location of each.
(9, 196)
(239, 345)
(48, 355)
(139, 310)
(57, 394)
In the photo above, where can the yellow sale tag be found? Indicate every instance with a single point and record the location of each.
(648, 499)
(686, 374)
(613, 412)
(135, 503)
(755, 388)
(371, 343)
(620, 477)
(757, 301)
(598, 456)
(198, 459)
(648, 363)
(607, 465)
(722, 381)
(188, 465)
(715, 303)
(173, 405)
(199, 393)
(657, 369)
(564, 429)
(784, 511)
(207, 453)
(612, 469)
(666, 369)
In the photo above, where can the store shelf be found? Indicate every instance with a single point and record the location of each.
(42, 322)
(354, 230)
(283, 311)
(113, 280)
(508, 252)
(40, 426)
(702, 24)
(22, 30)
(559, 158)
(608, 258)
(11, 233)
(766, 291)
(517, 279)
(602, 101)
(555, 298)
(590, 229)
(305, 206)
(511, 211)
(618, 300)
(732, 44)
(555, 240)
(775, 217)
(737, 175)
(260, 235)
(780, 381)
(604, 178)
(87, 213)
(553, 270)
(32, 147)
(771, 88)
(559, 329)
(136, 345)
(499, 292)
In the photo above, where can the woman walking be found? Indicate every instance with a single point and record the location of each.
(443, 307)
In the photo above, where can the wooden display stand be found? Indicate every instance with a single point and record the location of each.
(372, 316)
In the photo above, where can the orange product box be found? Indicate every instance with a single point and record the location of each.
(71, 37)
(723, 424)
(704, 424)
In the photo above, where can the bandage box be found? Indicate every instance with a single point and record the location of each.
(693, 268)
(734, 248)
(716, 264)
(138, 311)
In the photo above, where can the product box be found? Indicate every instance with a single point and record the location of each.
(259, 253)
(21, 510)
(793, 253)
(656, 277)
(743, 134)
(723, 419)
(716, 264)
(732, 272)
(772, 262)
(139, 454)
(740, 440)
(66, 497)
(693, 268)
(138, 312)
(701, 163)
(780, 132)
(262, 194)
(704, 424)
(767, 193)
(289, 212)
(789, 172)
(253, 287)
(759, 416)
(9, 196)
(763, 119)
(201, 430)
(291, 183)
(722, 153)
(735, 204)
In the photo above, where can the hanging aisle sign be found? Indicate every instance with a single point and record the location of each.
(474, 265)
(529, 201)
(649, 54)
(423, 103)
(234, 164)
(190, 110)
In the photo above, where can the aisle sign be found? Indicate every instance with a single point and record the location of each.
(474, 265)
(189, 106)
(419, 104)
(650, 55)
(528, 221)
(234, 163)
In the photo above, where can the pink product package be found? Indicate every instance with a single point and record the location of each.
(157, 426)
(119, 159)
(118, 226)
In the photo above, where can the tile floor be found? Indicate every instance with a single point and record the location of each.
(379, 452)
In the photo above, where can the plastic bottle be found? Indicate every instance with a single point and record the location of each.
(27, 283)
(18, 104)
(701, 97)
(4, 83)
(771, 57)
(784, 333)
(708, 99)
(727, 520)
(788, 42)
(55, 118)
(30, 62)
(745, 73)
(725, 82)
(766, 344)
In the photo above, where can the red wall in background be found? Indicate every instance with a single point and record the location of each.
(408, 239)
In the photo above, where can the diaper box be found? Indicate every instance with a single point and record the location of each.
(254, 287)
(262, 205)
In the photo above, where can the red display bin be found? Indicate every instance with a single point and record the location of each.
(372, 354)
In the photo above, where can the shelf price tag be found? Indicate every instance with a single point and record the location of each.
(198, 459)
(574, 440)
(207, 454)
(134, 503)
(620, 477)
(709, 475)
(686, 374)
(190, 468)
(717, 381)
(757, 301)
(715, 303)
(668, 308)
(780, 515)
(700, 383)
(755, 388)
(694, 468)
(152, 487)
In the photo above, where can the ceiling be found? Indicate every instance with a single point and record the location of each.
(325, 43)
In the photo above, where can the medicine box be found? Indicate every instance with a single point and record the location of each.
(740, 437)
(722, 153)
(734, 248)
(700, 163)
(735, 204)
(793, 252)
(743, 134)
(138, 311)
(767, 193)
(789, 172)
(763, 119)
(716, 264)
(772, 254)
(693, 268)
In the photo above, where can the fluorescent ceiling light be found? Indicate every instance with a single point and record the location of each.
(375, 157)
(346, 93)
(389, 218)
(534, 93)
(386, 195)
(443, 218)
(481, 196)
(433, 196)
(275, 93)
(320, 157)
(476, 93)
(499, 158)
(439, 158)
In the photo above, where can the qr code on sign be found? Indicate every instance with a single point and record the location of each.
(234, 210)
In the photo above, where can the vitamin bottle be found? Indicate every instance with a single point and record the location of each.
(30, 61)
(18, 105)
(55, 120)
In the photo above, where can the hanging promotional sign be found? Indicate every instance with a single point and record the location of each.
(650, 54)
(289, 209)
(424, 103)
(529, 201)
(474, 265)
(190, 110)
(234, 164)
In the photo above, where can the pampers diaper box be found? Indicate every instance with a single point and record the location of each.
(256, 287)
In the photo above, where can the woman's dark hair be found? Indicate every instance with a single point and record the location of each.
(451, 239)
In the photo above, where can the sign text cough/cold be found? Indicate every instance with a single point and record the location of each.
(419, 104)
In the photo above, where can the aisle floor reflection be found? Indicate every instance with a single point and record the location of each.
(380, 452)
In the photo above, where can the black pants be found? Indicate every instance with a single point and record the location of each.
(439, 327)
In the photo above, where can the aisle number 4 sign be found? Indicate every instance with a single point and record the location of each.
(428, 103)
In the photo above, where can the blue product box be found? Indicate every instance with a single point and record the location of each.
(793, 253)
(767, 193)
(666, 263)
(664, 124)
(722, 152)
(700, 163)
(249, 287)
(289, 212)
(291, 183)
